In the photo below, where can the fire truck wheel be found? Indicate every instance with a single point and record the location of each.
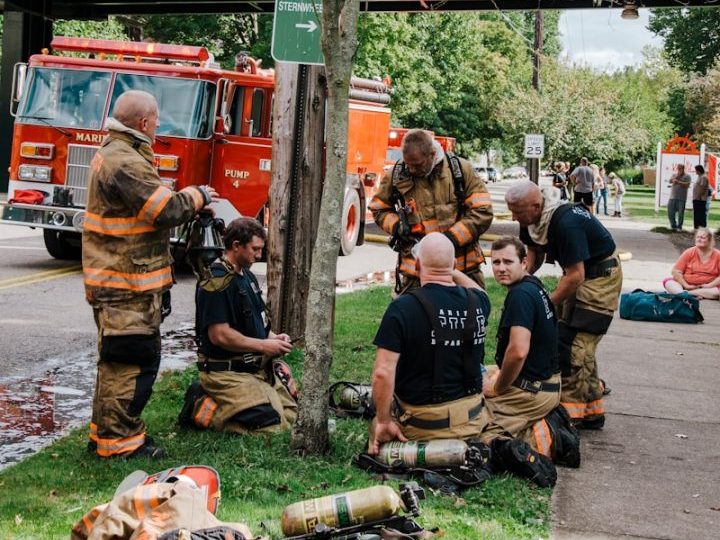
(351, 222)
(63, 245)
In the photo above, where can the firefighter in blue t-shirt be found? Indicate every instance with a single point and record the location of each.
(586, 296)
(241, 388)
(525, 386)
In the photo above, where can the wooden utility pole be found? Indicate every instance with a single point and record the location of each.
(295, 191)
(537, 49)
(339, 43)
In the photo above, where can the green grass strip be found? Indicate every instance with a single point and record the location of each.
(44, 495)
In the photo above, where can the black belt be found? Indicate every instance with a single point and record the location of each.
(248, 363)
(600, 269)
(437, 424)
(535, 386)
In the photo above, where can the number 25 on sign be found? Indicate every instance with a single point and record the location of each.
(534, 146)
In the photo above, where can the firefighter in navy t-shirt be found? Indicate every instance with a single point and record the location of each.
(431, 344)
(586, 296)
(526, 387)
(241, 389)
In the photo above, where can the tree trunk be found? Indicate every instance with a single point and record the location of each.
(339, 43)
(295, 193)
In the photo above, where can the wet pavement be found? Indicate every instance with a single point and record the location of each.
(37, 410)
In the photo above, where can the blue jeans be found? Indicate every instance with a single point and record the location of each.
(602, 195)
(676, 207)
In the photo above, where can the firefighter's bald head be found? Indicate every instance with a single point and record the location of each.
(435, 254)
(137, 110)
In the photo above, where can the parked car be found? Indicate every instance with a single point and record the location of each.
(486, 174)
(515, 172)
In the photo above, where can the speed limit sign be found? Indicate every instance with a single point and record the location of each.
(534, 146)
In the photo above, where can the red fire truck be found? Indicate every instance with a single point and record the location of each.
(214, 129)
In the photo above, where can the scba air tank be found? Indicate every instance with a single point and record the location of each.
(438, 453)
(355, 396)
(336, 511)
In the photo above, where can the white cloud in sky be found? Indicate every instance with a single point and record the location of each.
(599, 38)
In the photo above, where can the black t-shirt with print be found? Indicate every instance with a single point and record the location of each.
(405, 329)
(527, 304)
(577, 235)
(240, 305)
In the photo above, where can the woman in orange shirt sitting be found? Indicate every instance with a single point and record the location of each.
(698, 268)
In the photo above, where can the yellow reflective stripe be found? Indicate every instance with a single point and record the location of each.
(378, 204)
(113, 447)
(407, 266)
(116, 226)
(197, 196)
(89, 519)
(595, 407)
(461, 233)
(472, 259)
(389, 222)
(543, 438)
(430, 225)
(155, 204)
(145, 499)
(93, 436)
(205, 412)
(476, 200)
(147, 281)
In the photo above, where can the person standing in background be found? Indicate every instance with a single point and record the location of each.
(700, 196)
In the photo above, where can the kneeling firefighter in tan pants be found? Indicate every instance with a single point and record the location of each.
(427, 378)
(241, 389)
(525, 387)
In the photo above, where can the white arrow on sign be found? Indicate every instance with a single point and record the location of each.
(311, 26)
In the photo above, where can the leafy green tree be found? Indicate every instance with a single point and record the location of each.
(692, 36)
(107, 29)
(614, 119)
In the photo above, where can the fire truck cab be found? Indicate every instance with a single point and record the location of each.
(215, 128)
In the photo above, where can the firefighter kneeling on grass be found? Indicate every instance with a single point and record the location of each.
(522, 395)
(241, 389)
(127, 271)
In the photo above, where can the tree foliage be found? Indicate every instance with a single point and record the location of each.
(692, 36)
(701, 106)
(448, 70)
(614, 119)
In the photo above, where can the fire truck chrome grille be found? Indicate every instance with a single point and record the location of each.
(78, 166)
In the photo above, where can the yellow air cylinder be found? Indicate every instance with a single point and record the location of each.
(438, 453)
(335, 511)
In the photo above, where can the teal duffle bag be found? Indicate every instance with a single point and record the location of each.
(642, 305)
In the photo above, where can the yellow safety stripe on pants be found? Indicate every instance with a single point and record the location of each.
(577, 410)
(145, 500)
(205, 412)
(141, 282)
(93, 436)
(155, 204)
(543, 437)
(116, 447)
(472, 259)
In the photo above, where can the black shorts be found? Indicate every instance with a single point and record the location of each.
(585, 198)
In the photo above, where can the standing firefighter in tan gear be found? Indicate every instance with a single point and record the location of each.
(430, 191)
(241, 388)
(127, 270)
(586, 296)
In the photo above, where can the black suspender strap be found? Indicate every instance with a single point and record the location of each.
(458, 182)
(445, 337)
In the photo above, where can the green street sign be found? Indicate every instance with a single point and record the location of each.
(296, 32)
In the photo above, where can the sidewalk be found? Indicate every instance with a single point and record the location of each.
(653, 471)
